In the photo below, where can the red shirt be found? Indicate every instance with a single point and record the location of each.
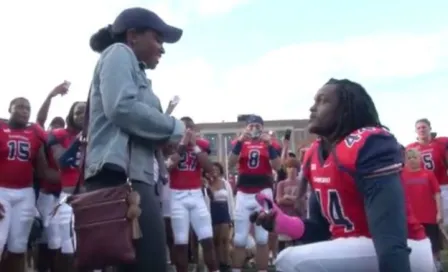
(50, 187)
(254, 165)
(341, 202)
(19, 148)
(65, 137)
(187, 174)
(421, 186)
(433, 157)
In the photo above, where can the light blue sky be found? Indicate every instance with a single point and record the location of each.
(242, 56)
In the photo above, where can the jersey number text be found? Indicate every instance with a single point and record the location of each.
(253, 160)
(335, 210)
(18, 150)
(188, 162)
(355, 137)
(428, 161)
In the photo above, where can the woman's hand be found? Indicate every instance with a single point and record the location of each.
(186, 139)
(266, 220)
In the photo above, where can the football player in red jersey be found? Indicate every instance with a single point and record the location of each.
(255, 154)
(423, 191)
(434, 152)
(358, 199)
(188, 204)
(21, 155)
(64, 145)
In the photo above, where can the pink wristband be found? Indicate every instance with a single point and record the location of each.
(289, 225)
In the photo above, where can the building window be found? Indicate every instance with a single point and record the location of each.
(227, 140)
(212, 138)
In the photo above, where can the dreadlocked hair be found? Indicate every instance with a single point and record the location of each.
(355, 109)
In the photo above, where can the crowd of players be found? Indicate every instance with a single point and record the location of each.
(351, 221)
(357, 200)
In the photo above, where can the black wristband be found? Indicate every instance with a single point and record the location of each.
(237, 148)
(273, 154)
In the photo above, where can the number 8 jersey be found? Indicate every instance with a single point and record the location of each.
(342, 204)
(18, 151)
(254, 166)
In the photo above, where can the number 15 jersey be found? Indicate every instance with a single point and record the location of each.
(19, 149)
(342, 204)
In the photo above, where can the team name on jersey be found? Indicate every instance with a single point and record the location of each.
(322, 179)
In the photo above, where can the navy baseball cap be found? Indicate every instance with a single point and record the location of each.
(254, 119)
(139, 18)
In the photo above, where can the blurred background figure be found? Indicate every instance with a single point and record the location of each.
(221, 209)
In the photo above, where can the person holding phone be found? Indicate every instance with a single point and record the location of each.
(256, 154)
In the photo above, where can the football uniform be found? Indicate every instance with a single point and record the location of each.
(46, 202)
(187, 203)
(433, 157)
(341, 185)
(19, 149)
(69, 177)
(254, 176)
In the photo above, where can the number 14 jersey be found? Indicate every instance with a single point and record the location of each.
(342, 204)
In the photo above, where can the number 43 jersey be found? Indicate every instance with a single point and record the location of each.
(18, 151)
(342, 204)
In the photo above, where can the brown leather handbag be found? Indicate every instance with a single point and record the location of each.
(105, 221)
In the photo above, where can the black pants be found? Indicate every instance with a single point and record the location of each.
(150, 249)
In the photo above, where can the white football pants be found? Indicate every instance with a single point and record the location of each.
(189, 207)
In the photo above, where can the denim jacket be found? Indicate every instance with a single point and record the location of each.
(126, 124)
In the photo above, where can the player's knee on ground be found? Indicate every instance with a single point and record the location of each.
(292, 258)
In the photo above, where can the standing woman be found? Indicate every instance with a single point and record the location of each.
(221, 209)
(286, 195)
(126, 125)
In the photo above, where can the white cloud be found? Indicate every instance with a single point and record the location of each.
(281, 84)
(208, 8)
(48, 43)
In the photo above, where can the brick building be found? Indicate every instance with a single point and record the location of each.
(221, 134)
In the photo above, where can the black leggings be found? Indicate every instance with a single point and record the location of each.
(150, 249)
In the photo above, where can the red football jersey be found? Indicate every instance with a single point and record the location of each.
(341, 203)
(187, 175)
(421, 186)
(254, 166)
(433, 157)
(254, 157)
(64, 137)
(19, 149)
(50, 187)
